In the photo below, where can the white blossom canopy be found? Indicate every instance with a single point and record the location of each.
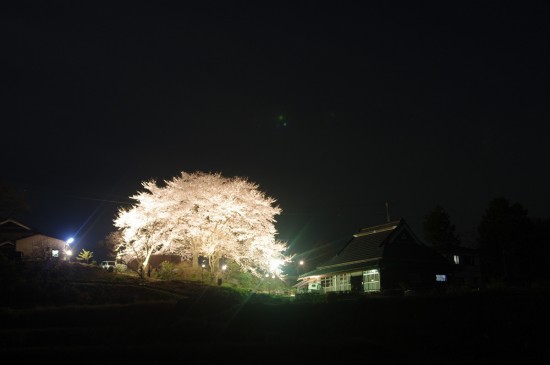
(204, 214)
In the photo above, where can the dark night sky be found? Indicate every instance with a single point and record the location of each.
(333, 108)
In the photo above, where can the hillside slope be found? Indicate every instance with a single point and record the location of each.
(127, 319)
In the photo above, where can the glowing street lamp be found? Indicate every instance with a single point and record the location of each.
(68, 251)
(224, 268)
(300, 266)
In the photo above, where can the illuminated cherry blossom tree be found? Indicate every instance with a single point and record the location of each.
(204, 214)
(142, 228)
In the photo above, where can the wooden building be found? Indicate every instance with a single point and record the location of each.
(383, 258)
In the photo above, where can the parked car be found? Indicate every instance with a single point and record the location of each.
(108, 265)
(314, 288)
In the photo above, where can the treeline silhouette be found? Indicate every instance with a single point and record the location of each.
(514, 248)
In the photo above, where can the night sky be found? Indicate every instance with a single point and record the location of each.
(332, 108)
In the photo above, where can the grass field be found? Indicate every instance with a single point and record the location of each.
(99, 315)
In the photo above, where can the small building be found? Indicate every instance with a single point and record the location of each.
(10, 231)
(383, 258)
(467, 269)
(42, 247)
(17, 241)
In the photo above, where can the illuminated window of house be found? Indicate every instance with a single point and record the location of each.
(456, 259)
(343, 282)
(440, 277)
(371, 280)
(55, 253)
(326, 282)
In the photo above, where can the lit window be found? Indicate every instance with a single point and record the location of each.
(440, 277)
(371, 280)
(55, 253)
(456, 259)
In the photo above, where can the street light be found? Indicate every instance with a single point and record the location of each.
(224, 267)
(68, 251)
(301, 264)
(202, 274)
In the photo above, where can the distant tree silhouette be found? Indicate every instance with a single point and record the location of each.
(13, 203)
(540, 251)
(504, 242)
(438, 229)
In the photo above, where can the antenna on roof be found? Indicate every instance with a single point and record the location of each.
(387, 212)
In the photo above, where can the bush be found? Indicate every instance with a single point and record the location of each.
(166, 271)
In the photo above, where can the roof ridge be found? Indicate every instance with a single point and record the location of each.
(378, 228)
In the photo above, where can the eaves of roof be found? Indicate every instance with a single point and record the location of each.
(7, 222)
(347, 267)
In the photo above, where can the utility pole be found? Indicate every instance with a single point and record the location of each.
(387, 212)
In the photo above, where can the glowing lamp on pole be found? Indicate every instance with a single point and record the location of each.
(68, 251)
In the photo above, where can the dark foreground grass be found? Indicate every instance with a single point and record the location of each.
(174, 322)
(481, 328)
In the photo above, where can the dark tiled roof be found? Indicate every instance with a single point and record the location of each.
(12, 230)
(363, 250)
(13, 225)
(392, 241)
(365, 245)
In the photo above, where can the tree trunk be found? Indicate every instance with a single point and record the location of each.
(195, 260)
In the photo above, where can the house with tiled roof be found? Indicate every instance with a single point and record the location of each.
(386, 257)
(10, 231)
(19, 242)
